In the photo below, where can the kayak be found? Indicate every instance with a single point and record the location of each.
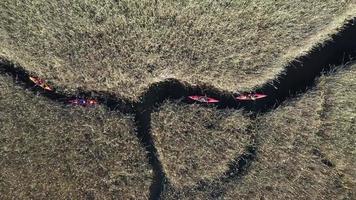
(40, 82)
(83, 102)
(250, 97)
(203, 99)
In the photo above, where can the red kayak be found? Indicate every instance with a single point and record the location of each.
(250, 97)
(203, 99)
(83, 102)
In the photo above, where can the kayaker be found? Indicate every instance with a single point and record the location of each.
(40, 82)
(252, 96)
(203, 99)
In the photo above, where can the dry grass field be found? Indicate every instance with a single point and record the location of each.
(48, 151)
(196, 143)
(124, 46)
(306, 148)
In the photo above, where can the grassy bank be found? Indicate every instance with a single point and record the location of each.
(48, 151)
(306, 149)
(123, 46)
(197, 144)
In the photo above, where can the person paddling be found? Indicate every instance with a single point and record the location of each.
(250, 96)
(204, 99)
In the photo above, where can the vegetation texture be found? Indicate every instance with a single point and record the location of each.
(306, 149)
(48, 151)
(124, 46)
(196, 144)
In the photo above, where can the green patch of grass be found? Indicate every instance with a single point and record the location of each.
(124, 46)
(196, 143)
(48, 151)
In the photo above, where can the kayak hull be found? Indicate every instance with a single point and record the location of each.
(250, 97)
(46, 87)
(83, 102)
(203, 99)
(41, 83)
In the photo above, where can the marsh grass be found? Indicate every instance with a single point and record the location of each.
(308, 146)
(50, 151)
(124, 46)
(306, 149)
(197, 144)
